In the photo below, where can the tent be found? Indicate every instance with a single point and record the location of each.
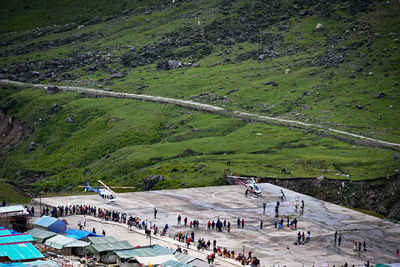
(60, 242)
(51, 224)
(147, 251)
(156, 254)
(172, 263)
(80, 234)
(40, 235)
(19, 252)
(119, 245)
(101, 239)
(145, 261)
(192, 261)
(101, 251)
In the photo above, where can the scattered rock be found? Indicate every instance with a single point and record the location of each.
(70, 119)
(231, 91)
(270, 83)
(359, 106)
(116, 75)
(283, 28)
(169, 64)
(380, 95)
(51, 89)
(287, 71)
(319, 27)
(32, 147)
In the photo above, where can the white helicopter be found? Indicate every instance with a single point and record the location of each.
(105, 191)
(250, 184)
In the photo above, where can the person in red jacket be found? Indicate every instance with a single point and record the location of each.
(242, 223)
(187, 242)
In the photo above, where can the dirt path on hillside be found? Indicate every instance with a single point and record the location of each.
(322, 130)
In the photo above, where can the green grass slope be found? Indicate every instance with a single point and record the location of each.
(253, 56)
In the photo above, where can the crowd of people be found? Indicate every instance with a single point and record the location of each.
(188, 237)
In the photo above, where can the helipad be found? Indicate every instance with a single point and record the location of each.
(271, 245)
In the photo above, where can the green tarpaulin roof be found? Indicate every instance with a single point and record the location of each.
(172, 263)
(40, 235)
(60, 242)
(15, 238)
(155, 250)
(183, 257)
(24, 251)
(119, 245)
(101, 240)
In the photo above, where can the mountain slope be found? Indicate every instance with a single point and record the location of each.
(262, 57)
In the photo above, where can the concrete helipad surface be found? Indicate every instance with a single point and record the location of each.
(271, 245)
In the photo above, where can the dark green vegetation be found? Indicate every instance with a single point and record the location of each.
(255, 56)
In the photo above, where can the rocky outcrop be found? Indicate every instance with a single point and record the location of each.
(12, 131)
(151, 181)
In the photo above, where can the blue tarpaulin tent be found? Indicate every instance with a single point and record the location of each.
(51, 224)
(79, 234)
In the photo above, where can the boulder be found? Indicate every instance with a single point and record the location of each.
(283, 28)
(151, 181)
(70, 119)
(116, 75)
(380, 95)
(32, 147)
(51, 89)
(169, 64)
(319, 27)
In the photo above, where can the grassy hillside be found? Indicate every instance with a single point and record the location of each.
(267, 58)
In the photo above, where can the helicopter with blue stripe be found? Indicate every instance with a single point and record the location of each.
(104, 191)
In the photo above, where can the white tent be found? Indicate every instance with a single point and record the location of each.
(155, 259)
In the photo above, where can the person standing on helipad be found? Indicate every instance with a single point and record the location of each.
(155, 213)
(179, 219)
(335, 236)
(242, 223)
(264, 206)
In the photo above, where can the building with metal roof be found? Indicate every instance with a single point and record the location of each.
(40, 235)
(5, 232)
(17, 238)
(19, 252)
(14, 217)
(36, 263)
(51, 224)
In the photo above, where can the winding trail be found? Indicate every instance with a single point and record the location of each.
(318, 129)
